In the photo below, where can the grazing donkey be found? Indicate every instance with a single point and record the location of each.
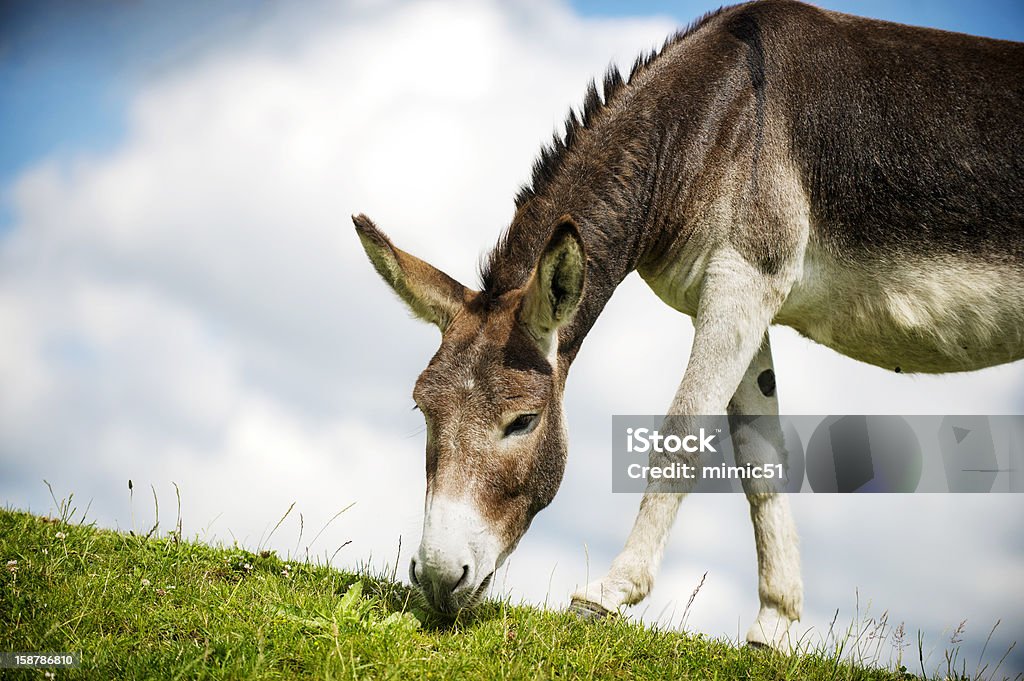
(857, 180)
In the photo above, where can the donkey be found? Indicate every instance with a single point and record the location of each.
(859, 181)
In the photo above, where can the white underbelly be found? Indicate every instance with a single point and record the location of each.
(935, 315)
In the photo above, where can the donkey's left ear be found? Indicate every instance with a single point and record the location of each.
(430, 293)
(555, 290)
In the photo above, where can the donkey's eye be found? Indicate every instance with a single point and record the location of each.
(522, 424)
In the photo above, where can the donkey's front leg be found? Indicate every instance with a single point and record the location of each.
(736, 306)
(631, 575)
(778, 555)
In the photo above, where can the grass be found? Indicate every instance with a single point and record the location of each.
(159, 607)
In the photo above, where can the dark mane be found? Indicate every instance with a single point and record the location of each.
(552, 156)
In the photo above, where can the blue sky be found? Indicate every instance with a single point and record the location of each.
(182, 297)
(69, 68)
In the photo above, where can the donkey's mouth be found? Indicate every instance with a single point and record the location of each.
(450, 604)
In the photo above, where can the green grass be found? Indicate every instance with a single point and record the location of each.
(158, 607)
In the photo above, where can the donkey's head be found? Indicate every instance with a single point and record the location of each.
(492, 401)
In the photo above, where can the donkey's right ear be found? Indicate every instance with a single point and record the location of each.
(430, 293)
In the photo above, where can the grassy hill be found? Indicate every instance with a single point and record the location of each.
(159, 607)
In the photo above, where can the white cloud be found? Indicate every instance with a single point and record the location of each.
(194, 306)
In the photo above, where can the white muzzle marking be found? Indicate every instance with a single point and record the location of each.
(457, 556)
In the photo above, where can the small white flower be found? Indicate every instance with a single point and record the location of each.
(145, 582)
(60, 535)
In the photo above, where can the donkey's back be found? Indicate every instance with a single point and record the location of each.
(907, 148)
(909, 140)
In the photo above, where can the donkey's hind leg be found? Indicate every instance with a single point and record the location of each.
(759, 442)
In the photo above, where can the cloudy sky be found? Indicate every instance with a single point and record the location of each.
(182, 298)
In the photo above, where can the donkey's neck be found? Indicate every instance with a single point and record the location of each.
(620, 172)
(625, 170)
(604, 182)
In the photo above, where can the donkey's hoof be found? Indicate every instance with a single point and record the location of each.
(770, 630)
(587, 610)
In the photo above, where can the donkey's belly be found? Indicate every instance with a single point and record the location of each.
(934, 316)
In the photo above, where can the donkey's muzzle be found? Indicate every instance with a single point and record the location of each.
(457, 555)
(446, 584)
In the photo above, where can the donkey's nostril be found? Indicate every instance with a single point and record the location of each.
(412, 573)
(463, 578)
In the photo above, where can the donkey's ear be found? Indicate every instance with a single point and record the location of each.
(556, 287)
(430, 293)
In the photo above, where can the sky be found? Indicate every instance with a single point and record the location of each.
(183, 301)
